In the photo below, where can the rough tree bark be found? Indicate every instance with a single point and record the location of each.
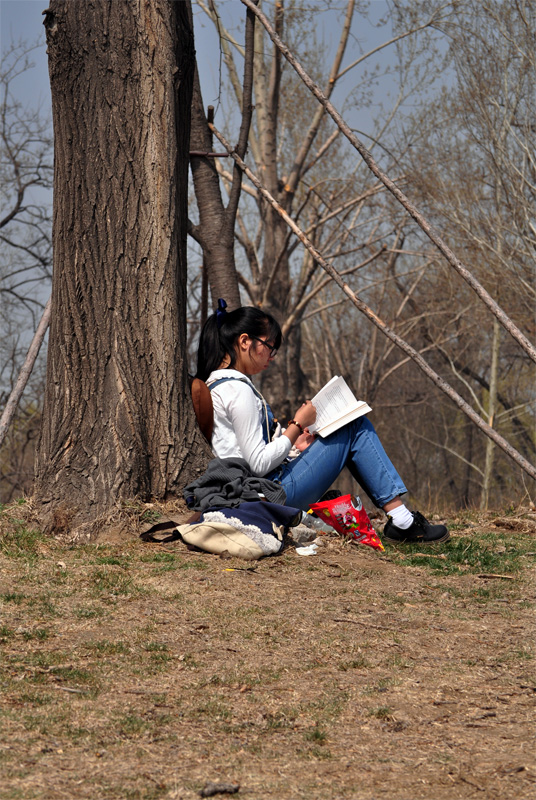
(117, 421)
(213, 233)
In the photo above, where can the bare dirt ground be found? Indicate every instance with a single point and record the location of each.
(135, 670)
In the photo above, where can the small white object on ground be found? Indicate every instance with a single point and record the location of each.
(309, 550)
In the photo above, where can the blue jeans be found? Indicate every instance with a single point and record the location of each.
(356, 446)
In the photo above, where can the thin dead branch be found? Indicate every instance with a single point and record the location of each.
(26, 371)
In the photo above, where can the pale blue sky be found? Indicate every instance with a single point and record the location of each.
(23, 20)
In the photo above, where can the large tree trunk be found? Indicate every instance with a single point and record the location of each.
(117, 421)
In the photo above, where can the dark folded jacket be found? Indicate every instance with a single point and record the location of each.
(228, 482)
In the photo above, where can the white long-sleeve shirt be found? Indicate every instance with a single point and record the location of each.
(238, 418)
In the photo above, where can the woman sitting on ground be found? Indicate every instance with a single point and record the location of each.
(236, 345)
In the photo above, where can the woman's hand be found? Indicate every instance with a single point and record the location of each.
(306, 414)
(304, 440)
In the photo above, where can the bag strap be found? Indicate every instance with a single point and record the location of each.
(167, 525)
(149, 536)
(256, 392)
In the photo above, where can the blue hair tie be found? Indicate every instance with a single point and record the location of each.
(221, 313)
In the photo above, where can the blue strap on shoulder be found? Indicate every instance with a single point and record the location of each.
(267, 414)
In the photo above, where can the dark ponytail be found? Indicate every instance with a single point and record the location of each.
(222, 329)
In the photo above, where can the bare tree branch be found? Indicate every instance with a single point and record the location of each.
(297, 168)
(22, 380)
(428, 229)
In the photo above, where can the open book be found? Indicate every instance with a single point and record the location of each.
(336, 405)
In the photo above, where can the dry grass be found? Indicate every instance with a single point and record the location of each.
(134, 670)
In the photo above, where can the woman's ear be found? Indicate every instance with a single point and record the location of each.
(243, 342)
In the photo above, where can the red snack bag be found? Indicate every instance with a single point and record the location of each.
(347, 515)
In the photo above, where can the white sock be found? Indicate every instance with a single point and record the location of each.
(401, 516)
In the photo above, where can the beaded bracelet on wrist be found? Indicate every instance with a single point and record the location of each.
(293, 422)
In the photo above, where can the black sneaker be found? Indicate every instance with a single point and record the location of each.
(420, 531)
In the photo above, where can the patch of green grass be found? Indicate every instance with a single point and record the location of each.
(159, 698)
(189, 661)
(321, 753)
(215, 709)
(45, 658)
(329, 706)
(356, 663)
(457, 526)
(150, 516)
(113, 583)
(44, 605)
(171, 567)
(495, 553)
(33, 722)
(159, 654)
(156, 647)
(280, 719)
(41, 634)
(75, 733)
(89, 613)
(523, 655)
(476, 556)
(382, 712)
(197, 564)
(453, 591)
(490, 592)
(166, 561)
(16, 540)
(159, 558)
(316, 735)
(35, 698)
(6, 633)
(13, 597)
(75, 675)
(399, 662)
(444, 758)
(57, 724)
(106, 648)
(382, 686)
(114, 560)
(525, 604)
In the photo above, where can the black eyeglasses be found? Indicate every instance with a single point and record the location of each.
(273, 350)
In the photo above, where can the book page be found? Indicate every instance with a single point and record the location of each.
(333, 401)
(358, 411)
